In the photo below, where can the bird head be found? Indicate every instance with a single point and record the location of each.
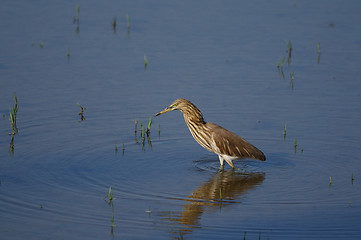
(178, 104)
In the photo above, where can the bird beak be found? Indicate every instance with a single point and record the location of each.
(168, 109)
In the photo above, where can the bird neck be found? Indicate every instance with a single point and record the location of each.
(193, 115)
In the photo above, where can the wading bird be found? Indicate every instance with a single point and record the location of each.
(227, 145)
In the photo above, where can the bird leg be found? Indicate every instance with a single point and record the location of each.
(229, 161)
(220, 160)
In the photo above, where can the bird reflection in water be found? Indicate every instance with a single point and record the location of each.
(223, 189)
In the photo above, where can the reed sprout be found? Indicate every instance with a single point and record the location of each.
(128, 21)
(142, 130)
(292, 75)
(114, 23)
(77, 12)
(81, 113)
(110, 194)
(149, 125)
(280, 63)
(319, 52)
(318, 47)
(13, 115)
(145, 61)
(285, 130)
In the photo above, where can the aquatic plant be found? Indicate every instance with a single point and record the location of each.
(11, 147)
(285, 130)
(295, 142)
(145, 61)
(32, 43)
(76, 18)
(319, 52)
(68, 53)
(280, 63)
(289, 47)
(110, 194)
(41, 44)
(330, 180)
(128, 21)
(159, 130)
(352, 178)
(77, 11)
(82, 109)
(123, 149)
(114, 23)
(12, 116)
(149, 125)
(135, 126)
(292, 75)
(318, 47)
(141, 130)
(116, 148)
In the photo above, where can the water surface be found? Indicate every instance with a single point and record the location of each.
(56, 172)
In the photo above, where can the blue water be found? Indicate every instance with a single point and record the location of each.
(223, 57)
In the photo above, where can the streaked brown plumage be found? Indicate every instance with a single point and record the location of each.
(227, 145)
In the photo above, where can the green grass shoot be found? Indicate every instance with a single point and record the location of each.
(128, 21)
(115, 23)
(116, 148)
(110, 194)
(159, 130)
(330, 180)
(295, 142)
(289, 46)
(280, 63)
(68, 53)
(13, 110)
(135, 126)
(41, 44)
(149, 124)
(285, 130)
(145, 61)
(77, 12)
(319, 52)
(292, 75)
(142, 130)
(81, 113)
(318, 47)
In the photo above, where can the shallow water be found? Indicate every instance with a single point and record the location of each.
(56, 172)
